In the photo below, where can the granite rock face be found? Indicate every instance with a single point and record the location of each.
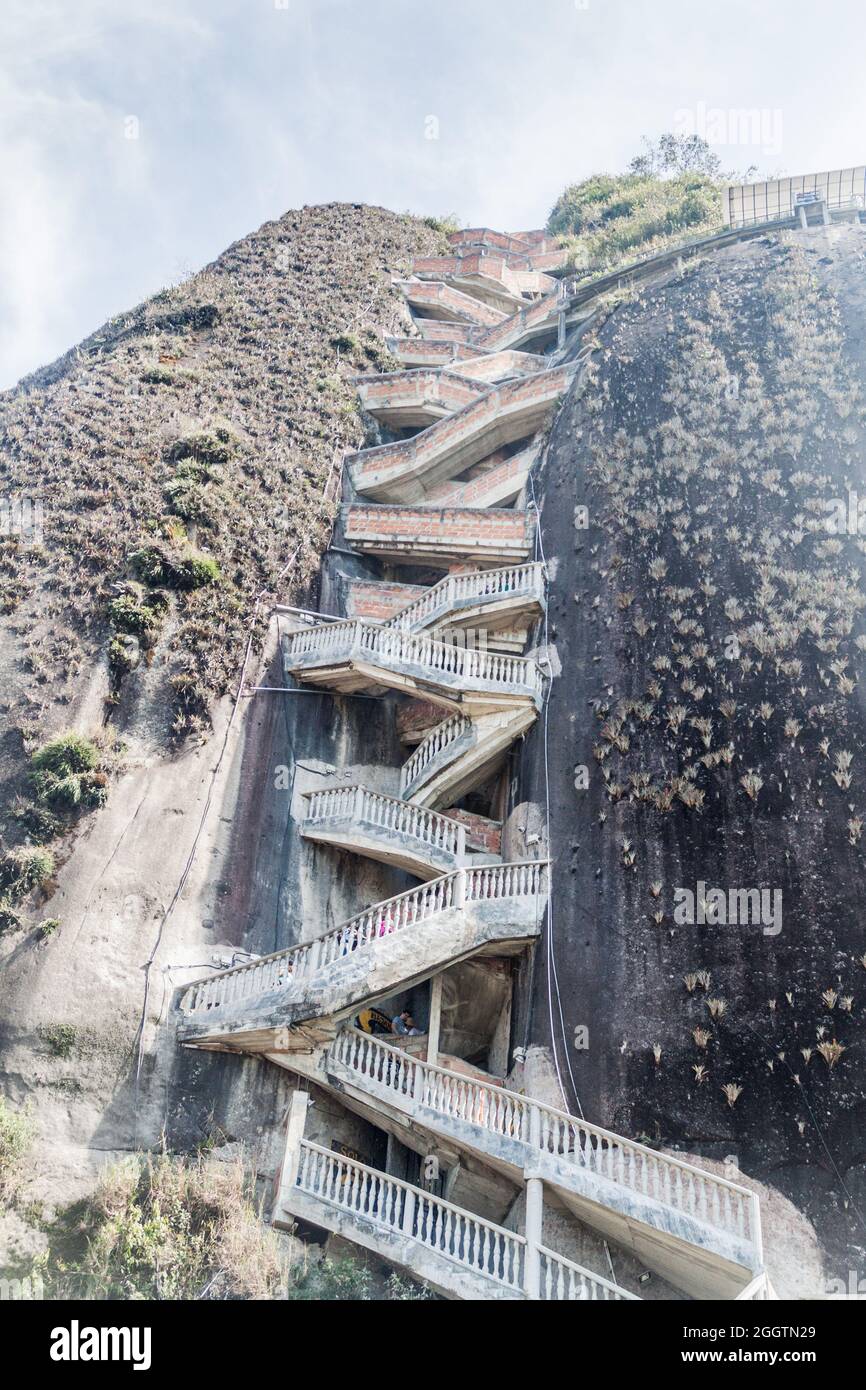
(707, 728)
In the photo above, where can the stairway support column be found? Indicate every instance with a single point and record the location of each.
(533, 1231)
(294, 1134)
(435, 1022)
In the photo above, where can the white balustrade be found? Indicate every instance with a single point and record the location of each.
(449, 734)
(468, 667)
(712, 1200)
(389, 814)
(280, 970)
(461, 590)
(474, 1244)
(563, 1280)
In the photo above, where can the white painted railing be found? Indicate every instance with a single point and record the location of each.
(474, 1244)
(688, 1189)
(464, 666)
(457, 729)
(760, 1289)
(563, 1280)
(522, 880)
(389, 814)
(462, 590)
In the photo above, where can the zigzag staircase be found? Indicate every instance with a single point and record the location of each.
(451, 495)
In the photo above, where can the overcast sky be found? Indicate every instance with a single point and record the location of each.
(140, 137)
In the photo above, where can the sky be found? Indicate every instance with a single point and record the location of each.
(139, 138)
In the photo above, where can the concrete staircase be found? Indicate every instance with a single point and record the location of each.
(701, 1233)
(459, 754)
(356, 656)
(406, 470)
(296, 997)
(457, 1254)
(388, 829)
(511, 597)
(453, 496)
(441, 536)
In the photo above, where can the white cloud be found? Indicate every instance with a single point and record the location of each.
(246, 110)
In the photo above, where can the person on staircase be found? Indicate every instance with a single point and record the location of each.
(403, 1025)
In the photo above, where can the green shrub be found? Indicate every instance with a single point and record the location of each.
(23, 869)
(16, 1137)
(347, 1281)
(173, 1228)
(346, 342)
(212, 447)
(606, 217)
(446, 224)
(190, 500)
(39, 824)
(121, 659)
(190, 569)
(66, 773)
(158, 376)
(60, 1037)
(136, 616)
(48, 927)
(198, 569)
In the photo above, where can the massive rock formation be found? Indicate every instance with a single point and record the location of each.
(709, 630)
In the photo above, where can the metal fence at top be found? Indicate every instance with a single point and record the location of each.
(744, 203)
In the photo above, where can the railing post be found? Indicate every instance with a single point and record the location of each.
(459, 899)
(434, 1022)
(418, 1082)
(534, 1126)
(408, 1221)
(295, 1126)
(533, 1232)
(461, 845)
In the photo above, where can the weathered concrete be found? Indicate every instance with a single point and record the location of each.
(406, 470)
(441, 536)
(403, 400)
(257, 1007)
(386, 828)
(356, 656)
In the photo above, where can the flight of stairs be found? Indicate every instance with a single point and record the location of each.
(453, 496)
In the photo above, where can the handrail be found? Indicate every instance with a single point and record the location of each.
(440, 738)
(760, 1289)
(521, 879)
(467, 664)
(400, 452)
(462, 588)
(716, 1201)
(390, 813)
(470, 1241)
(562, 1279)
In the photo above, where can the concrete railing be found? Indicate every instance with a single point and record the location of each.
(466, 590)
(389, 814)
(760, 1289)
(452, 891)
(455, 733)
(691, 1191)
(477, 1245)
(511, 411)
(465, 667)
(564, 1281)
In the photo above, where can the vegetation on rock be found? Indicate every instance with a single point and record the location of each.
(16, 1137)
(66, 773)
